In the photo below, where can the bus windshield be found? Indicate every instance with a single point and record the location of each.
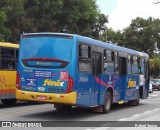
(44, 51)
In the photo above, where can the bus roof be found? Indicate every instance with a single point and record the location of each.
(96, 43)
(11, 45)
(113, 47)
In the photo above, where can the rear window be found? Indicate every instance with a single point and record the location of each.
(45, 51)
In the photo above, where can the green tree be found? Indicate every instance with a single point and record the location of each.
(155, 67)
(4, 31)
(14, 18)
(115, 37)
(71, 16)
(143, 34)
(99, 27)
(2, 27)
(42, 15)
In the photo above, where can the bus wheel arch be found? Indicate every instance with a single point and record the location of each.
(136, 101)
(108, 100)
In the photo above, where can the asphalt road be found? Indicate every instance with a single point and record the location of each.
(148, 110)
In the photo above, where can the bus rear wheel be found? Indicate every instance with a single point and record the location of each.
(9, 102)
(108, 102)
(62, 107)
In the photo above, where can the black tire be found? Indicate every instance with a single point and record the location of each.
(108, 102)
(9, 102)
(63, 107)
(67, 107)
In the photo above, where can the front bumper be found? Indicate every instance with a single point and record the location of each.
(69, 98)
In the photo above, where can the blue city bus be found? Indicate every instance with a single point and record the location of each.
(71, 70)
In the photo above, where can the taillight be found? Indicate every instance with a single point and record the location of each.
(18, 81)
(70, 85)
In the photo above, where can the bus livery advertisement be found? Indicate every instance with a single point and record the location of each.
(71, 70)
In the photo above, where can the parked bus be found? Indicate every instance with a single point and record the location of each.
(70, 70)
(8, 63)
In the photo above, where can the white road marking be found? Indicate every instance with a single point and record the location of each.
(153, 95)
(136, 115)
(143, 101)
(123, 119)
(149, 102)
(156, 109)
(146, 112)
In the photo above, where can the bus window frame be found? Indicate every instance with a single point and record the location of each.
(133, 64)
(129, 58)
(14, 58)
(112, 60)
(139, 63)
(85, 59)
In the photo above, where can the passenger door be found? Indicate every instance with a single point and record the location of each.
(147, 80)
(123, 77)
(96, 70)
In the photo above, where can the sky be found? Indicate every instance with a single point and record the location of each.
(121, 12)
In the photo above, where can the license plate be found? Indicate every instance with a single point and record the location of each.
(41, 97)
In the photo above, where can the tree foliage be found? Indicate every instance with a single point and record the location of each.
(155, 67)
(115, 37)
(3, 30)
(71, 16)
(143, 35)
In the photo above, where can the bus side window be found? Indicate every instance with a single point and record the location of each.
(129, 64)
(143, 65)
(134, 65)
(84, 58)
(108, 61)
(109, 56)
(139, 65)
(116, 63)
(84, 52)
(7, 58)
(105, 60)
(16, 58)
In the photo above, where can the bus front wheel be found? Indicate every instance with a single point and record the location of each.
(108, 102)
(9, 102)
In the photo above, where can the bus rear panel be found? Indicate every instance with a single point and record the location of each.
(44, 64)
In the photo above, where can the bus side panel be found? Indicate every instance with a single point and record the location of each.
(84, 86)
(7, 84)
(132, 87)
(109, 81)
